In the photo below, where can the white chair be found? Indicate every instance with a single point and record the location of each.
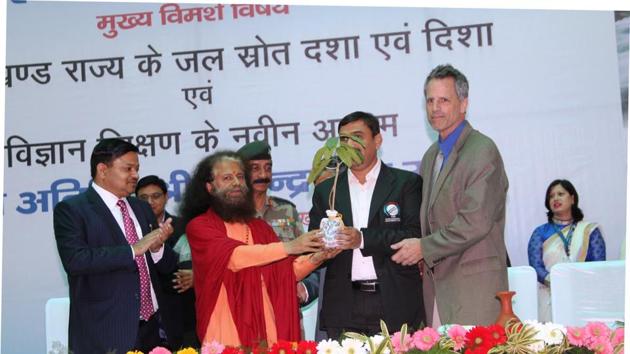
(587, 291)
(57, 313)
(522, 280)
(309, 319)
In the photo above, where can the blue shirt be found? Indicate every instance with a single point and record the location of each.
(446, 145)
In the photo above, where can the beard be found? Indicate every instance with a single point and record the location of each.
(233, 209)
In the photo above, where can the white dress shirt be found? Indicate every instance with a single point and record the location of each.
(360, 200)
(110, 200)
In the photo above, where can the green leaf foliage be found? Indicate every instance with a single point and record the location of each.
(336, 146)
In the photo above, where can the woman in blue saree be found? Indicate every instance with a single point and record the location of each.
(566, 237)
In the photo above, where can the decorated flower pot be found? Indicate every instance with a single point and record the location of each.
(328, 227)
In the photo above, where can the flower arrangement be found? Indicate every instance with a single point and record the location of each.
(281, 347)
(529, 337)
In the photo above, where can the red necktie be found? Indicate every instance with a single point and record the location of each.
(146, 303)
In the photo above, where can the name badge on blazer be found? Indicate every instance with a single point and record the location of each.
(392, 212)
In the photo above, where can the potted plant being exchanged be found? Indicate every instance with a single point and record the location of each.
(336, 151)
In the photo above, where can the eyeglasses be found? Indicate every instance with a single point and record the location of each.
(154, 196)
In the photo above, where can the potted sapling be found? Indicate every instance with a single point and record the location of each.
(336, 152)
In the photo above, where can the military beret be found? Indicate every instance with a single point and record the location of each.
(256, 150)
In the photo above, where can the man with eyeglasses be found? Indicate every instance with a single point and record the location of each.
(178, 316)
(154, 191)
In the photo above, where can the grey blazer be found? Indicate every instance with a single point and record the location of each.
(462, 223)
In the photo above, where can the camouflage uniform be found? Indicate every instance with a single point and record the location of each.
(283, 217)
(281, 214)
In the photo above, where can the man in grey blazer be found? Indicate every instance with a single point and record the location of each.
(462, 214)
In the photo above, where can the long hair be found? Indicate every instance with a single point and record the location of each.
(196, 199)
(576, 212)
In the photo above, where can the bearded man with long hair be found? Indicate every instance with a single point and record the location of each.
(244, 276)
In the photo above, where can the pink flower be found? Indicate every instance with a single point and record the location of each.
(576, 336)
(595, 331)
(160, 350)
(617, 337)
(601, 346)
(458, 334)
(213, 347)
(401, 347)
(425, 339)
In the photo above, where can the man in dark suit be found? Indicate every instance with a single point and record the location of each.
(178, 313)
(380, 206)
(112, 269)
(153, 190)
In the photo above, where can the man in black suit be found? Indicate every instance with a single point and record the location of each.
(112, 269)
(380, 206)
(178, 311)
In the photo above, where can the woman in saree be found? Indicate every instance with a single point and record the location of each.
(566, 237)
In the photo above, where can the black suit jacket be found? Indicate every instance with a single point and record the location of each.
(103, 278)
(178, 312)
(400, 286)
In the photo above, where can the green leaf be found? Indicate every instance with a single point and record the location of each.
(403, 334)
(358, 336)
(381, 347)
(385, 333)
(356, 156)
(320, 161)
(332, 143)
(356, 139)
(345, 155)
(318, 155)
(315, 172)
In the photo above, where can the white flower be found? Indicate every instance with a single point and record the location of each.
(531, 323)
(537, 346)
(352, 346)
(552, 333)
(546, 334)
(328, 346)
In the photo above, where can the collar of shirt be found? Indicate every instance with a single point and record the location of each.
(446, 145)
(109, 198)
(370, 178)
(110, 201)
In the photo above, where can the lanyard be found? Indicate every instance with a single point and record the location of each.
(566, 240)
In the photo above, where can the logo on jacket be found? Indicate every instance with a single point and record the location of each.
(391, 210)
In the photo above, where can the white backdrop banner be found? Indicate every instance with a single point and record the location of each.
(182, 81)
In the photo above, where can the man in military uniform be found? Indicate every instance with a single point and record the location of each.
(280, 213)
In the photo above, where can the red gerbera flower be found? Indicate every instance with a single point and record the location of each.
(307, 347)
(478, 340)
(282, 347)
(497, 334)
(232, 350)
